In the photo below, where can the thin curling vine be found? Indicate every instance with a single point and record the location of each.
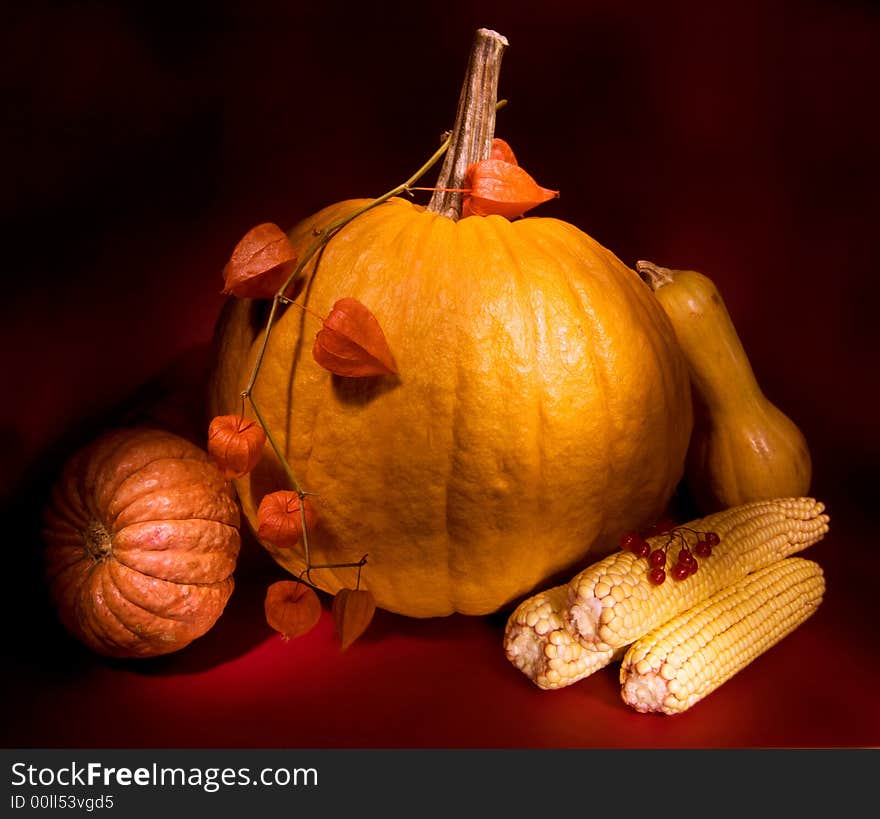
(350, 343)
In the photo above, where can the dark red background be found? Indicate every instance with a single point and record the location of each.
(738, 139)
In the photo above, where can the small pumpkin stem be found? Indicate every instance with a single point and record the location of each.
(97, 541)
(474, 128)
(654, 275)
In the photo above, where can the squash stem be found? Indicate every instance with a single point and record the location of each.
(654, 275)
(474, 127)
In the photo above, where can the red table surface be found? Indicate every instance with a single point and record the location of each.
(736, 141)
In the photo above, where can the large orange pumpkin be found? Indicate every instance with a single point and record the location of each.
(141, 540)
(542, 405)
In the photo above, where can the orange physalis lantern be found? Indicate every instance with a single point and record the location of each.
(280, 518)
(353, 610)
(291, 608)
(498, 187)
(352, 343)
(260, 263)
(502, 150)
(236, 444)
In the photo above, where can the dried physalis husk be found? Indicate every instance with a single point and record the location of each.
(351, 342)
(260, 263)
(502, 150)
(280, 518)
(236, 444)
(292, 608)
(353, 610)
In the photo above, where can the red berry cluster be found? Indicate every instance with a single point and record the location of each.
(686, 564)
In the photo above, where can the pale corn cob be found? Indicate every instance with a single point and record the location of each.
(681, 662)
(538, 643)
(612, 603)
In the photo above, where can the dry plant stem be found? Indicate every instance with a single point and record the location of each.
(474, 129)
(653, 274)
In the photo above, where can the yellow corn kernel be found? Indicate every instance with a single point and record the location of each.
(538, 643)
(753, 535)
(681, 662)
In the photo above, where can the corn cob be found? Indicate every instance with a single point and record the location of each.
(538, 643)
(681, 662)
(612, 603)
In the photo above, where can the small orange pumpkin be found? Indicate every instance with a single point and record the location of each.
(141, 539)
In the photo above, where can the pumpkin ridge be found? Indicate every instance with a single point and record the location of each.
(634, 284)
(70, 536)
(184, 628)
(57, 584)
(597, 336)
(543, 416)
(56, 516)
(94, 456)
(116, 565)
(635, 298)
(219, 508)
(107, 450)
(494, 233)
(66, 502)
(424, 229)
(658, 317)
(64, 592)
(532, 302)
(110, 591)
(455, 415)
(509, 238)
(84, 490)
(117, 608)
(435, 227)
(582, 293)
(603, 270)
(106, 499)
(179, 584)
(135, 477)
(77, 556)
(176, 520)
(684, 423)
(88, 616)
(133, 544)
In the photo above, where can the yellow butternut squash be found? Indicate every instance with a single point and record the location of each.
(743, 448)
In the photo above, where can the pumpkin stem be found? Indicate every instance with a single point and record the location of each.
(97, 541)
(474, 129)
(654, 275)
